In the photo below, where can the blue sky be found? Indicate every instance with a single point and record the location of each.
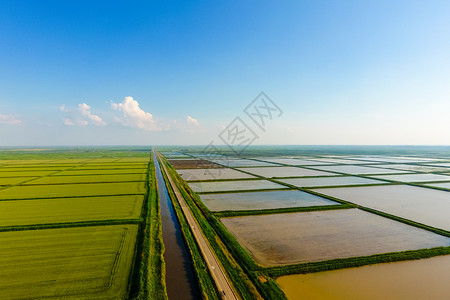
(178, 72)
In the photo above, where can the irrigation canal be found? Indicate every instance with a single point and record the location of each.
(181, 280)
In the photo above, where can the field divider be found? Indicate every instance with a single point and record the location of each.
(62, 197)
(70, 224)
(238, 213)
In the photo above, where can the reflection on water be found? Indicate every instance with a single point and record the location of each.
(181, 280)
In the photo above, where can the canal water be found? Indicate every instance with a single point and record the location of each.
(181, 280)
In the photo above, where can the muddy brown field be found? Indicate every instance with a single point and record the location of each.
(419, 279)
(291, 238)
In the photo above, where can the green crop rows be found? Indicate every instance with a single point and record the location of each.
(80, 223)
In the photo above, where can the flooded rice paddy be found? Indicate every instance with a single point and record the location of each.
(445, 185)
(350, 169)
(292, 238)
(329, 181)
(414, 168)
(235, 185)
(270, 172)
(414, 280)
(293, 161)
(263, 200)
(413, 177)
(212, 174)
(242, 163)
(427, 206)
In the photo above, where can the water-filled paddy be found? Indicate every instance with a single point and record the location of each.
(396, 159)
(329, 181)
(237, 185)
(445, 185)
(414, 168)
(413, 177)
(340, 161)
(349, 169)
(423, 205)
(242, 163)
(215, 173)
(293, 161)
(417, 279)
(263, 200)
(443, 164)
(269, 172)
(322, 235)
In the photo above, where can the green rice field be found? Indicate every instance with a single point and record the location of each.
(70, 227)
(59, 210)
(70, 263)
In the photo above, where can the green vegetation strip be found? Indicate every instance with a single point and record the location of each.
(235, 213)
(148, 281)
(353, 262)
(69, 225)
(242, 270)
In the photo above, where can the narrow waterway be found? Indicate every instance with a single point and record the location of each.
(180, 275)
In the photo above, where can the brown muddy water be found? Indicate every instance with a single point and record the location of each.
(181, 280)
(412, 280)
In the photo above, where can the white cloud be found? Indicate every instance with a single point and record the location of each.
(134, 116)
(86, 111)
(9, 120)
(192, 121)
(81, 116)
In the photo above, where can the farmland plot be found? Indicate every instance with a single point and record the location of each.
(235, 185)
(72, 190)
(270, 172)
(291, 238)
(418, 279)
(329, 181)
(101, 172)
(209, 174)
(14, 180)
(232, 162)
(445, 185)
(413, 177)
(427, 206)
(349, 169)
(70, 263)
(6, 174)
(293, 161)
(262, 200)
(88, 179)
(59, 210)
